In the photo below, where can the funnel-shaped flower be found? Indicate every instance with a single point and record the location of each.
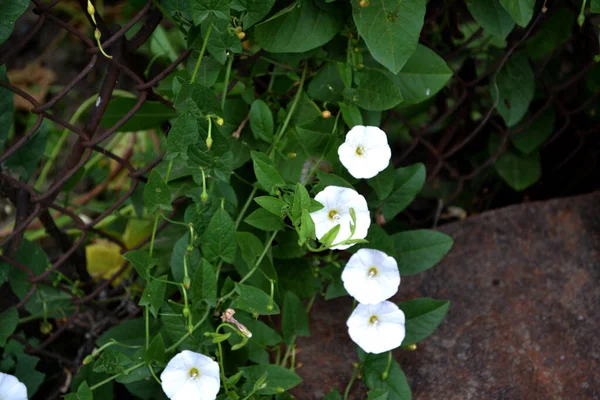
(366, 152)
(191, 375)
(377, 328)
(11, 388)
(337, 202)
(371, 276)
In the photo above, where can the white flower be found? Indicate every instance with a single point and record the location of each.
(371, 276)
(11, 388)
(377, 328)
(191, 375)
(366, 152)
(337, 202)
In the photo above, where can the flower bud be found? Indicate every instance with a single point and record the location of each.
(385, 375)
(241, 35)
(204, 197)
(291, 156)
(45, 328)
(186, 284)
(326, 114)
(356, 50)
(280, 390)
(220, 121)
(238, 29)
(186, 311)
(360, 66)
(97, 34)
(88, 359)
(364, 3)
(209, 142)
(90, 8)
(412, 347)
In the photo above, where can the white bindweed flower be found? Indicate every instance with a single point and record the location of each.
(366, 152)
(371, 276)
(337, 202)
(377, 328)
(11, 388)
(191, 375)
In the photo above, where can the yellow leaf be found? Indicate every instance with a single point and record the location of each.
(104, 259)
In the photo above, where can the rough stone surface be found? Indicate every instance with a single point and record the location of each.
(524, 321)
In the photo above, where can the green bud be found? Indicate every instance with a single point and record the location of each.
(280, 390)
(88, 359)
(186, 311)
(186, 284)
(204, 197)
(209, 142)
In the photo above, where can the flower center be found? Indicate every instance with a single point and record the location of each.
(334, 215)
(373, 272)
(360, 150)
(194, 373)
(374, 320)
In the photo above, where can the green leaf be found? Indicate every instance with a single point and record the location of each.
(396, 384)
(295, 318)
(301, 202)
(204, 284)
(516, 85)
(533, 135)
(11, 10)
(314, 136)
(222, 41)
(6, 108)
(264, 220)
(202, 9)
(278, 378)
(157, 194)
(250, 247)
(154, 294)
(424, 74)
(377, 394)
(266, 174)
(376, 91)
(183, 133)
(331, 235)
(26, 159)
(198, 100)
(423, 316)
(261, 121)
(156, 350)
(271, 204)
(150, 115)
(180, 249)
(326, 179)
(333, 395)
(350, 114)
(9, 320)
(491, 16)
(595, 6)
(519, 170)
(408, 183)
(554, 32)
(223, 168)
(520, 10)
(254, 300)
(218, 240)
(419, 250)
(142, 262)
(256, 10)
(307, 228)
(391, 29)
(111, 361)
(327, 85)
(383, 182)
(83, 393)
(304, 27)
(209, 69)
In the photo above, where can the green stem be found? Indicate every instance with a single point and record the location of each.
(147, 318)
(153, 234)
(112, 378)
(169, 171)
(226, 81)
(354, 375)
(223, 379)
(187, 335)
(154, 374)
(245, 207)
(193, 79)
(289, 116)
(386, 373)
(253, 270)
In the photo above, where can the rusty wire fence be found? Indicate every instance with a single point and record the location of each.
(443, 153)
